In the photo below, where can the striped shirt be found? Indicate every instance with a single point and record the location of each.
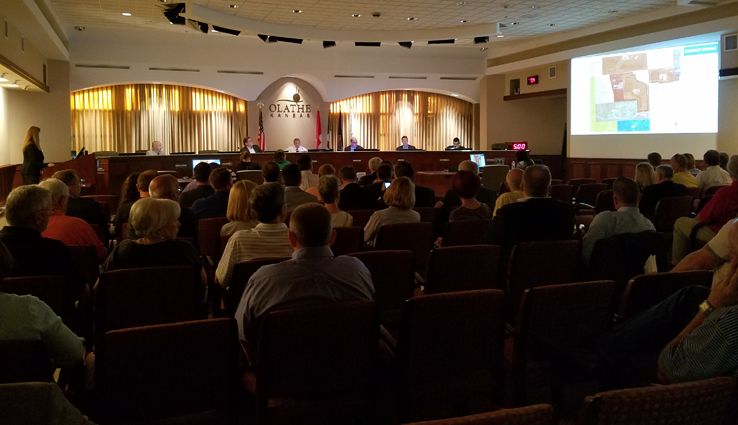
(709, 351)
(263, 241)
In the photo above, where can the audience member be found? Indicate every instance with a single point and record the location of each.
(681, 172)
(268, 239)
(27, 210)
(486, 195)
(203, 189)
(626, 219)
(373, 164)
(715, 255)
(693, 170)
(524, 160)
(324, 170)
(270, 172)
(654, 158)
(166, 186)
(400, 197)
(312, 276)
(721, 208)
(69, 230)
(513, 180)
(713, 174)
(85, 208)
(353, 196)
(424, 196)
(466, 185)
(216, 204)
(724, 158)
(305, 163)
(536, 217)
(329, 188)
(663, 188)
(644, 176)
(239, 213)
(156, 245)
(377, 188)
(129, 190)
(142, 186)
(279, 158)
(294, 196)
(246, 163)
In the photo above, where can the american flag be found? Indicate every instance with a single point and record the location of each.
(262, 136)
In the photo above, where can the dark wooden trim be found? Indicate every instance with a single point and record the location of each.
(20, 71)
(547, 93)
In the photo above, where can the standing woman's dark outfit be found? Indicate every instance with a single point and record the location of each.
(33, 163)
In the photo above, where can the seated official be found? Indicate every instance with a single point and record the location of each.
(376, 189)
(663, 188)
(156, 223)
(721, 208)
(466, 185)
(271, 172)
(713, 174)
(155, 149)
(405, 145)
(166, 186)
(246, 163)
(424, 196)
(69, 230)
(313, 275)
(536, 217)
(681, 171)
(373, 165)
(27, 210)
(249, 145)
(324, 170)
(87, 209)
(215, 205)
(625, 219)
(353, 145)
(456, 145)
(451, 199)
(294, 196)
(202, 189)
(644, 176)
(329, 188)
(305, 164)
(268, 239)
(353, 196)
(513, 180)
(400, 198)
(142, 187)
(279, 158)
(296, 146)
(239, 213)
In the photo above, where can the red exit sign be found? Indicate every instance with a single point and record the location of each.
(518, 146)
(533, 80)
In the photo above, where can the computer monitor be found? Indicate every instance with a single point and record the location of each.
(478, 158)
(197, 161)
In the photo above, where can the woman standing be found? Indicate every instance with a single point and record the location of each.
(33, 157)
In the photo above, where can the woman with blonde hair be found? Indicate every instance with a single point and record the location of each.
(644, 175)
(400, 197)
(33, 157)
(238, 212)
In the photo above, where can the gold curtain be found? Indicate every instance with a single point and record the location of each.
(379, 120)
(127, 118)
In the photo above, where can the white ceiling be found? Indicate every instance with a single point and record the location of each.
(533, 17)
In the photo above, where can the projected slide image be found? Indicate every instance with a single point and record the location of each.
(672, 90)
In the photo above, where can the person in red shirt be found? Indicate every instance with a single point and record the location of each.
(70, 230)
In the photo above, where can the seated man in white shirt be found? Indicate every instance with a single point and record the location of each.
(268, 239)
(305, 163)
(155, 149)
(313, 275)
(627, 218)
(713, 174)
(296, 146)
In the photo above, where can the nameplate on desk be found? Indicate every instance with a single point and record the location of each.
(181, 165)
(444, 160)
(356, 160)
(400, 159)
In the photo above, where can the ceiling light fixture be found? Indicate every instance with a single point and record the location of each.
(329, 44)
(156, 82)
(412, 18)
(461, 3)
(500, 35)
(213, 30)
(162, 1)
(512, 24)
(126, 14)
(296, 11)
(356, 15)
(551, 25)
(79, 28)
(454, 95)
(484, 49)
(534, 7)
(2, 78)
(15, 83)
(463, 21)
(233, 6)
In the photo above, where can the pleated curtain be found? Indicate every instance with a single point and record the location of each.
(379, 120)
(128, 118)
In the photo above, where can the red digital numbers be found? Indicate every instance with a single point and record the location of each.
(520, 146)
(533, 80)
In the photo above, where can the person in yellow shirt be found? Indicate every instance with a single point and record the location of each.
(681, 171)
(513, 180)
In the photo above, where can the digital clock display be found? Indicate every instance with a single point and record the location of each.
(533, 80)
(520, 146)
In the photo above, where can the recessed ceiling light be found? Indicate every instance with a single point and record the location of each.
(126, 14)
(213, 30)
(461, 3)
(15, 83)
(500, 35)
(454, 95)
(534, 7)
(463, 21)
(296, 11)
(171, 23)
(551, 25)
(162, 1)
(484, 49)
(356, 15)
(512, 24)
(412, 18)
(79, 28)
(233, 6)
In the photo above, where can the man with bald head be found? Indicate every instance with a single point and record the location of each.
(486, 195)
(166, 186)
(512, 181)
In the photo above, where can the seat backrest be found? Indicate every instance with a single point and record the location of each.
(556, 181)
(604, 201)
(208, 236)
(251, 175)
(99, 232)
(49, 289)
(348, 240)
(85, 257)
(575, 183)
(694, 192)
(493, 175)
(701, 402)
(464, 232)
(146, 296)
(669, 209)
(609, 182)
(111, 200)
(533, 264)
(242, 272)
(713, 189)
(166, 371)
(24, 360)
(462, 268)
(361, 217)
(539, 414)
(587, 192)
(416, 237)
(317, 350)
(427, 214)
(562, 192)
(647, 290)
(452, 334)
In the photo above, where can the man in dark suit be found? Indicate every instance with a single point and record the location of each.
(250, 146)
(353, 146)
(404, 145)
(485, 196)
(353, 196)
(537, 217)
(663, 188)
(424, 196)
(374, 164)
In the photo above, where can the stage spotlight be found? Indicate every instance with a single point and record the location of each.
(481, 40)
(449, 41)
(329, 44)
(367, 44)
(406, 44)
(226, 30)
